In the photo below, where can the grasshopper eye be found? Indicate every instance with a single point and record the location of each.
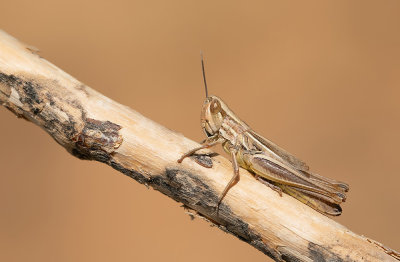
(215, 106)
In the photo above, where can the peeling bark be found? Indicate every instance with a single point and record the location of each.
(91, 126)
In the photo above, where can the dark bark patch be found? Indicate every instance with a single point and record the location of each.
(97, 140)
(63, 116)
(323, 254)
(185, 187)
(31, 94)
(129, 172)
(290, 257)
(7, 80)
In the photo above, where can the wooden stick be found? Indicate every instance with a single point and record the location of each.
(92, 126)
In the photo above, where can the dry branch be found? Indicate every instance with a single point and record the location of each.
(91, 126)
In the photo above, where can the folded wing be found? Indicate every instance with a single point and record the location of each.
(278, 151)
(322, 194)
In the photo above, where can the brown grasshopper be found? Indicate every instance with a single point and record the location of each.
(269, 163)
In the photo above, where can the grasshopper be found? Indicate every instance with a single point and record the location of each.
(269, 163)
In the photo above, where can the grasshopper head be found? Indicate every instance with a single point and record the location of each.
(212, 115)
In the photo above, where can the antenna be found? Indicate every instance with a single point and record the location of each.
(204, 73)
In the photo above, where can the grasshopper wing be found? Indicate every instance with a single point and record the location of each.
(267, 145)
(335, 185)
(301, 167)
(316, 201)
(309, 189)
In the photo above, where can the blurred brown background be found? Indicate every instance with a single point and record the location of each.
(319, 79)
